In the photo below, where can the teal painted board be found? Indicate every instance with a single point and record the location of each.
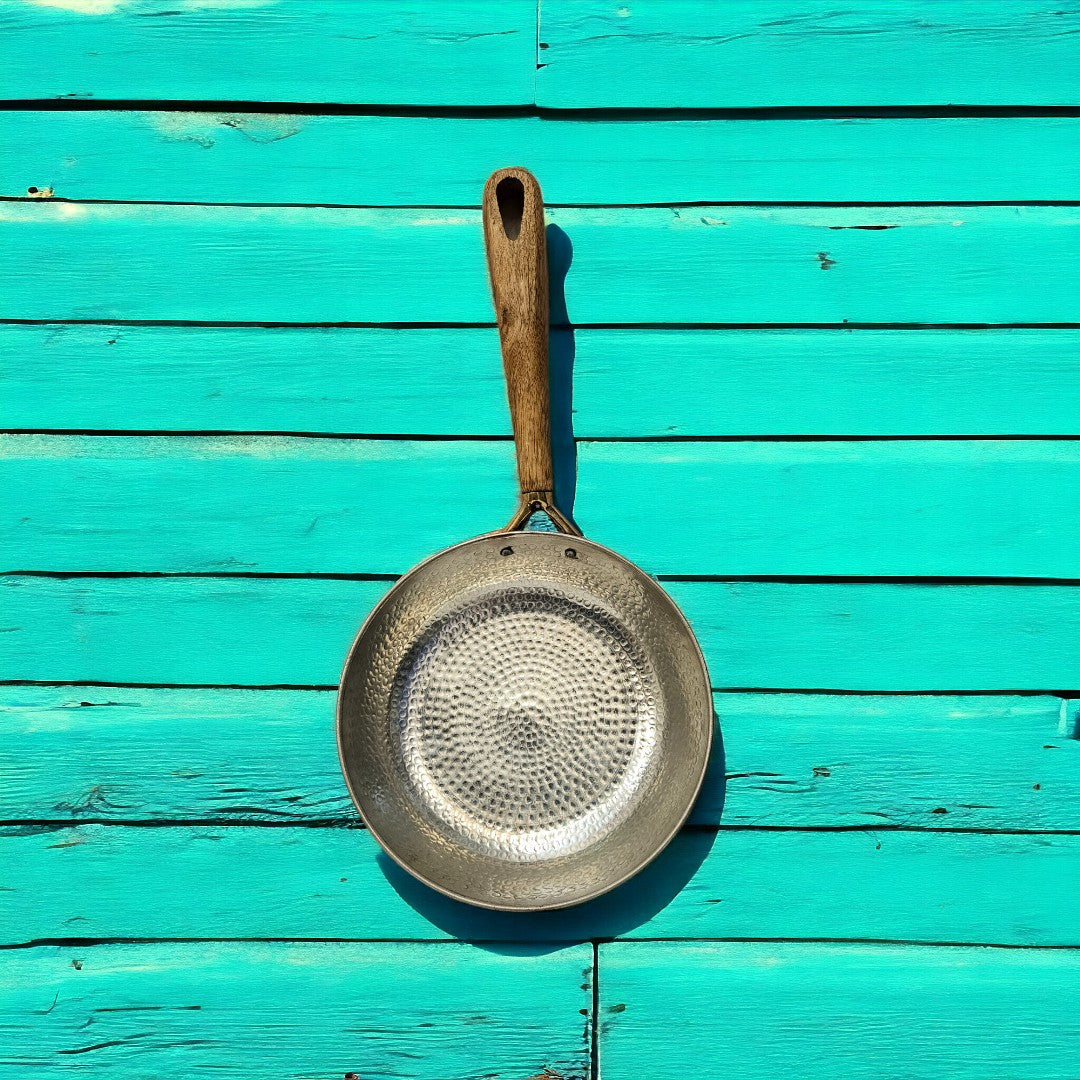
(237, 157)
(371, 380)
(954, 762)
(755, 53)
(265, 1011)
(729, 264)
(181, 630)
(626, 383)
(253, 632)
(287, 505)
(114, 881)
(409, 52)
(133, 754)
(478, 53)
(857, 1011)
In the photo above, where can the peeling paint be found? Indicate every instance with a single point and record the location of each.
(83, 7)
(204, 129)
(123, 7)
(73, 841)
(1069, 720)
(441, 221)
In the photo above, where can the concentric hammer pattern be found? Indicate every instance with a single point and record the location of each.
(526, 721)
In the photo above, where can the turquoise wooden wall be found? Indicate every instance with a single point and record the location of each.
(821, 275)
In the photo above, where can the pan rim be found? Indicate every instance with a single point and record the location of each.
(639, 865)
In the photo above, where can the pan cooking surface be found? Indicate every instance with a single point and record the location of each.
(526, 721)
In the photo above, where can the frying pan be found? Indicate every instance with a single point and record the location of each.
(524, 720)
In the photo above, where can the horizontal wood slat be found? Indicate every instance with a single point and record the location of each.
(733, 264)
(235, 157)
(645, 54)
(282, 505)
(261, 1010)
(239, 631)
(754, 53)
(625, 383)
(411, 53)
(862, 1011)
(130, 754)
(334, 883)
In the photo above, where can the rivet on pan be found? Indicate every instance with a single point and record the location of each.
(570, 553)
(507, 551)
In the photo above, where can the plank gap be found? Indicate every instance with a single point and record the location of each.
(612, 114)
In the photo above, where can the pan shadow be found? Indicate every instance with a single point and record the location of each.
(616, 913)
(561, 349)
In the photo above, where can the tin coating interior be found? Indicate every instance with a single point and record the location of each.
(524, 721)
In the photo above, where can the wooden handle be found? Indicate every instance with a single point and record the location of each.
(513, 213)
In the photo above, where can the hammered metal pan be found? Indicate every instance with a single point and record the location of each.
(524, 719)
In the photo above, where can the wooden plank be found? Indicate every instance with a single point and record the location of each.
(409, 53)
(958, 762)
(754, 53)
(859, 1011)
(726, 382)
(132, 754)
(737, 264)
(192, 504)
(252, 631)
(250, 881)
(235, 157)
(256, 1010)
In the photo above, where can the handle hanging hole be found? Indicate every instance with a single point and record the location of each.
(510, 196)
(570, 553)
(506, 551)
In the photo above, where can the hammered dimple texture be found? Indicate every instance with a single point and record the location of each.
(527, 720)
(524, 721)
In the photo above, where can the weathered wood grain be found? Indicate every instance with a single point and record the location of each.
(235, 157)
(732, 264)
(252, 631)
(411, 53)
(860, 1011)
(626, 383)
(132, 754)
(285, 505)
(753, 53)
(250, 881)
(268, 1011)
(515, 246)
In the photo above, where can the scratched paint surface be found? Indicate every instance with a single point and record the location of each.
(814, 366)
